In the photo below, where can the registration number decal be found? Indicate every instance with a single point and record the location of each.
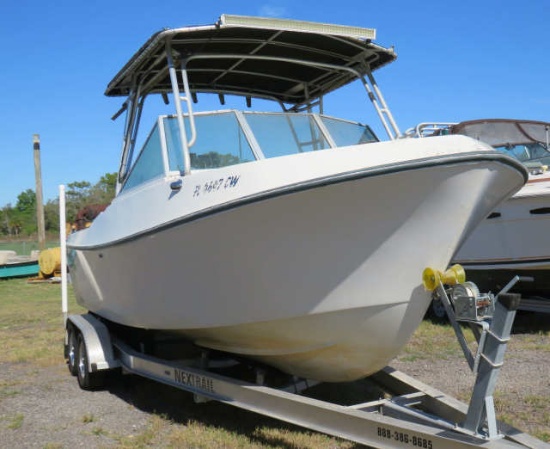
(214, 185)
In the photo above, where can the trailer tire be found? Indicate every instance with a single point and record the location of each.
(87, 380)
(72, 350)
(437, 311)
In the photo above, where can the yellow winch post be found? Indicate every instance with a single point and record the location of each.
(452, 276)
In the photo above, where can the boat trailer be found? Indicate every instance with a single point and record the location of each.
(407, 414)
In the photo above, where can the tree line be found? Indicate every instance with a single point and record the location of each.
(20, 220)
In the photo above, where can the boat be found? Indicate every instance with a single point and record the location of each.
(284, 236)
(513, 238)
(13, 265)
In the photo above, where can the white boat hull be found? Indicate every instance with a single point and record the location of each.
(312, 263)
(513, 241)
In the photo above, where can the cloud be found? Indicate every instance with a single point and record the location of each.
(272, 11)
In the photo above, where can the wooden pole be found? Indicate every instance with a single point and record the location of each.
(39, 198)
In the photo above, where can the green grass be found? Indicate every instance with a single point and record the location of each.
(437, 340)
(433, 340)
(31, 322)
(15, 421)
(8, 389)
(531, 412)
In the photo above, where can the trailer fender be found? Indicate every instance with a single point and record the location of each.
(98, 341)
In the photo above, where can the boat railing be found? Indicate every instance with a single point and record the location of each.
(429, 129)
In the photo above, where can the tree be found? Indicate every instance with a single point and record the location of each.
(104, 191)
(76, 196)
(21, 219)
(51, 216)
(5, 220)
(24, 216)
(26, 201)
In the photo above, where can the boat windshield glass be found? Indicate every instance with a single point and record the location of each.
(227, 138)
(220, 142)
(527, 153)
(283, 134)
(149, 164)
(346, 133)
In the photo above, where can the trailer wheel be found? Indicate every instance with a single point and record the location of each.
(72, 346)
(437, 311)
(87, 380)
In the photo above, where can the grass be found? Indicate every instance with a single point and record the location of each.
(531, 411)
(16, 421)
(31, 331)
(157, 426)
(530, 331)
(196, 434)
(422, 344)
(31, 323)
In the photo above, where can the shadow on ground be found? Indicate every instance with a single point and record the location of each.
(179, 407)
(531, 323)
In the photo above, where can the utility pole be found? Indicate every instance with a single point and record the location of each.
(39, 199)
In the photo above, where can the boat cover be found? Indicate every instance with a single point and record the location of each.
(501, 132)
(255, 57)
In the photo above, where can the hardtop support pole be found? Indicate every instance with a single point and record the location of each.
(384, 113)
(179, 112)
(131, 127)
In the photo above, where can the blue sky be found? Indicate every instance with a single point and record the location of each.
(456, 61)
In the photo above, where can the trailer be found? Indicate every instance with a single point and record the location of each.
(536, 304)
(405, 414)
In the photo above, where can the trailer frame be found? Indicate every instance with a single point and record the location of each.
(410, 414)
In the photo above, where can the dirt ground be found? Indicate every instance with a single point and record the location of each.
(44, 407)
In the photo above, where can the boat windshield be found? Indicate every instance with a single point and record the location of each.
(528, 153)
(231, 137)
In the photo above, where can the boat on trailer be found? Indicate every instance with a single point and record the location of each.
(292, 238)
(513, 239)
